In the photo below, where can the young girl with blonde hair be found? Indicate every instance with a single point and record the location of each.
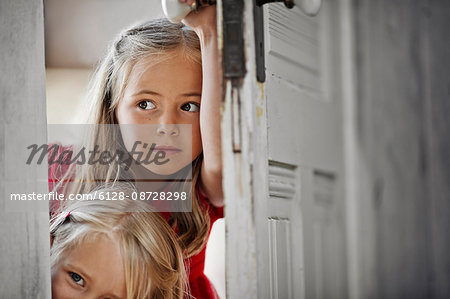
(158, 73)
(114, 249)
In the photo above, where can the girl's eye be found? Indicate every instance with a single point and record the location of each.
(191, 107)
(146, 105)
(77, 278)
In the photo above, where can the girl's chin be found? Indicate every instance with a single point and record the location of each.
(167, 170)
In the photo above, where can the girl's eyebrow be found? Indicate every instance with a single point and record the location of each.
(146, 91)
(192, 94)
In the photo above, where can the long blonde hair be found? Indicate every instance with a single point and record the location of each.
(152, 257)
(158, 39)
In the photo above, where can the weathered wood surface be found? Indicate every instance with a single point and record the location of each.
(237, 147)
(403, 108)
(436, 48)
(24, 238)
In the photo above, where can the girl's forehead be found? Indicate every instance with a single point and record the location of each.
(164, 60)
(164, 70)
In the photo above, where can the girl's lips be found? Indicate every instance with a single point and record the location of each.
(166, 148)
(169, 150)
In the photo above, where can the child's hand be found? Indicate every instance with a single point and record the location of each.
(203, 22)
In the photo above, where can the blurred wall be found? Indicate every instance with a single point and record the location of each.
(66, 89)
(403, 125)
(24, 232)
(77, 31)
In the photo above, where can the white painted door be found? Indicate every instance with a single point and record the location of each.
(283, 154)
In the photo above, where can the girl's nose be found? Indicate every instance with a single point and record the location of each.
(167, 130)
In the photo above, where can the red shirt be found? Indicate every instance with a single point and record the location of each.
(199, 284)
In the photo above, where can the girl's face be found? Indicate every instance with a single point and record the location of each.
(91, 270)
(166, 97)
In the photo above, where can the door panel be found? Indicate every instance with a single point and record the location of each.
(304, 130)
(283, 161)
(293, 37)
(280, 258)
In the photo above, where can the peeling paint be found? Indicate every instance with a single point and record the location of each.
(261, 90)
(259, 113)
(259, 108)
